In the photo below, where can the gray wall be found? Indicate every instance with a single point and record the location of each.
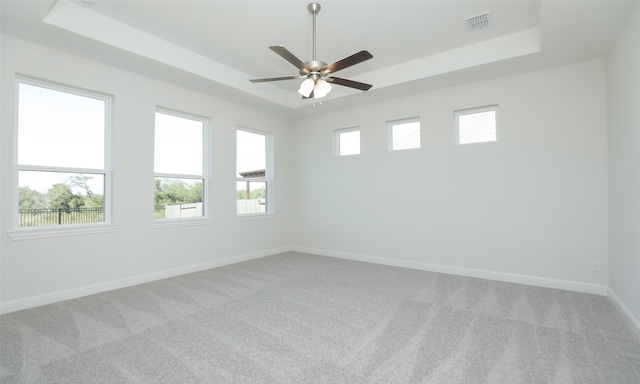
(623, 91)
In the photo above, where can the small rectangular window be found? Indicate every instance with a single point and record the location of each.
(253, 172)
(347, 141)
(476, 125)
(404, 134)
(62, 166)
(179, 165)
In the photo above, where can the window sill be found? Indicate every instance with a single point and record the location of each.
(173, 223)
(29, 234)
(256, 216)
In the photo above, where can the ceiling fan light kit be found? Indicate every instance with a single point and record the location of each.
(316, 73)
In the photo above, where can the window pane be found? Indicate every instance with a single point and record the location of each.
(349, 143)
(251, 153)
(178, 145)
(477, 127)
(60, 129)
(56, 198)
(176, 198)
(251, 197)
(405, 135)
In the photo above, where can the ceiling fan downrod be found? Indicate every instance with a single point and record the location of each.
(314, 8)
(314, 64)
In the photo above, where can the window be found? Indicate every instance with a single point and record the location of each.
(62, 165)
(477, 125)
(253, 172)
(347, 141)
(179, 165)
(404, 134)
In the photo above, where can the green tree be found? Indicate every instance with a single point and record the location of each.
(62, 197)
(29, 198)
(81, 181)
(176, 191)
(259, 193)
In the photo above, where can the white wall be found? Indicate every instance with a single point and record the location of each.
(623, 90)
(32, 268)
(534, 203)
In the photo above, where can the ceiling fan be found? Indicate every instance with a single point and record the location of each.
(316, 73)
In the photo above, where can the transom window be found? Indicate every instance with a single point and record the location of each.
(179, 165)
(404, 134)
(476, 125)
(347, 141)
(253, 172)
(62, 163)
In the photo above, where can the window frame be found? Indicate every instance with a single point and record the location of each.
(268, 176)
(393, 123)
(205, 176)
(336, 141)
(470, 111)
(25, 233)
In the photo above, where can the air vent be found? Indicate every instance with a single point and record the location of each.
(479, 21)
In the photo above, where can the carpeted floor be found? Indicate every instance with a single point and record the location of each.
(297, 318)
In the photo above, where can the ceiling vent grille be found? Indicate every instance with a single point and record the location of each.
(479, 21)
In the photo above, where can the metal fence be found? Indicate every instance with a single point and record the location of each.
(51, 217)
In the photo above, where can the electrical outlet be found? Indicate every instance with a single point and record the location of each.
(595, 266)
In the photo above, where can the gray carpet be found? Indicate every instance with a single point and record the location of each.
(297, 318)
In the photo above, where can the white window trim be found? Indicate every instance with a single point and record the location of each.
(390, 125)
(336, 140)
(205, 219)
(470, 111)
(41, 232)
(268, 176)
(27, 233)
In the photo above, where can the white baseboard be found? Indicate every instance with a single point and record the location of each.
(631, 319)
(538, 281)
(54, 297)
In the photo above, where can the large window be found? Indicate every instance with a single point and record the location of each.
(347, 141)
(62, 165)
(253, 174)
(404, 134)
(476, 125)
(179, 165)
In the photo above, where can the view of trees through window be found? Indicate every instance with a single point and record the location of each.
(179, 167)
(63, 135)
(251, 172)
(79, 198)
(184, 196)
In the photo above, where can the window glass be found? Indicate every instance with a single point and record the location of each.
(62, 170)
(57, 128)
(179, 190)
(252, 172)
(404, 134)
(348, 141)
(178, 145)
(476, 125)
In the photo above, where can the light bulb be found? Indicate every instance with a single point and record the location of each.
(322, 88)
(306, 87)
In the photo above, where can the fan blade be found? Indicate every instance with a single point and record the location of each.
(290, 57)
(347, 62)
(349, 83)
(277, 79)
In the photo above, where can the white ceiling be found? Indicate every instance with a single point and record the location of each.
(217, 46)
